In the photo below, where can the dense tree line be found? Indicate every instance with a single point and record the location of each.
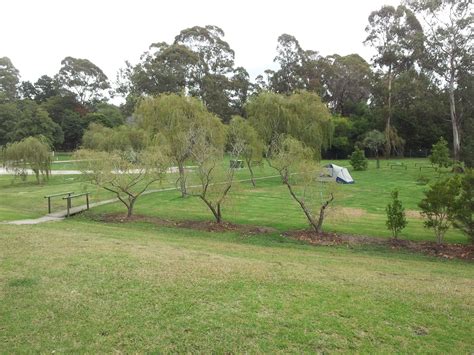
(417, 88)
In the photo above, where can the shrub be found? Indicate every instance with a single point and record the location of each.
(464, 205)
(396, 219)
(438, 206)
(440, 154)
(358, 160)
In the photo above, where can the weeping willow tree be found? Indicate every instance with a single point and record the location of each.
(175, 120)
(302, 115)
(30, 153)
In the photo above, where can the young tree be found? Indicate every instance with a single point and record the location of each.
(176, 120)
(242, 133)
(358, 160)
(374, 140)
(396, 219)
(214, 182)
(31, 152)
(126, 175)
(438, 206)
(294, 162)
(440, 154)
(464, 205)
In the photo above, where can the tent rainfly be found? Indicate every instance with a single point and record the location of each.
(340, 174)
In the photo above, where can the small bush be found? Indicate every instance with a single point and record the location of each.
(464, 205)
(439, 205)
(396, 219)
(358, 160)
(440, 154)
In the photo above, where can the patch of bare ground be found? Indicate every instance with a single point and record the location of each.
(413, 214)
(447, 251)
(206, 226)
(350, 212)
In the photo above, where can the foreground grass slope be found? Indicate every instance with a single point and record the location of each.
(81, 286)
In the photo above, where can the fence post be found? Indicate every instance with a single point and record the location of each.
(68, 204)
(87, 200)
(49, 204)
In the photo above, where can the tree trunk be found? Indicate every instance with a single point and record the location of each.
(319, 227)
(249, 164)
(307, 213)
(388, 143)
(130, 208)
(37, 176)
(182, 179)
(217, 213)
(454, 119)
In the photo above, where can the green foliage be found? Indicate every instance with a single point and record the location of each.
(179, 121)
(467, 152)
(464, 205)
(241, 134)
(396, 219)
(107, 115)
(9, 114)
(31, 152)
(35, 121)
(297, 169)
(126, 174)
(26, 118)
(438, 206)
(440, 154)
(358, 160)
(374, 140)
(301, 115)
(213, 180)
(9, 79)
(122, 138)
(83, 79)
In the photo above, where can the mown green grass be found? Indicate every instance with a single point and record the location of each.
(363, 204)
(88, 287)
(268, 205)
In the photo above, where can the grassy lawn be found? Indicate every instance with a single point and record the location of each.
(360, 208)
(83, 286)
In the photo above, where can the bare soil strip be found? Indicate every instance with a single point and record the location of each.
(447, 251)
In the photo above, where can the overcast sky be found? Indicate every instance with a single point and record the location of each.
(37, 34)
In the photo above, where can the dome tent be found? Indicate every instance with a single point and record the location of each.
(340, 174)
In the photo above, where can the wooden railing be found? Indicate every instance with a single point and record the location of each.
(69, 201)
(49, 197)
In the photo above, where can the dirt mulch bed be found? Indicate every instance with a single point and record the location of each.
(447, 251)
(206, 226)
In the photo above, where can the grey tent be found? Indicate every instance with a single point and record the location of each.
(340, 174)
